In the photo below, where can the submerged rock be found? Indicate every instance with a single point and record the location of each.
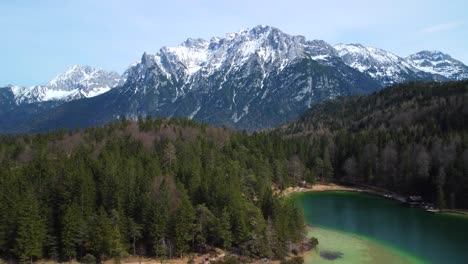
(331, 255)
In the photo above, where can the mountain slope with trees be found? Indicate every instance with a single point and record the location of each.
(161, 188)
(252, 79)
(411, 138)
(166, 188)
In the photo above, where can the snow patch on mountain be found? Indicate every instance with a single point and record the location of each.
(85, 78)
(379, 64)
(268, 45)
(76, 82)
(436, 62)
(252, 78)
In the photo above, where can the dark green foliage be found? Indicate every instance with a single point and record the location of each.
(223, 229)
(161, 188)
(88, 259)
(313, 242)
(167, 188)
(70, 232)
(30, 229)
(183, 224)
(411, 138)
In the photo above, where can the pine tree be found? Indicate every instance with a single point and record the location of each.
(116, 247)
(31, 229)
(135, 232)
(224, 232)
(327, 167)
(101, 235)
(70, 233)
(204, 223)
(158, 222)
(319, 168)
(183, 224)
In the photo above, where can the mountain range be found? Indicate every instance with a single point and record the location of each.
(251, 79)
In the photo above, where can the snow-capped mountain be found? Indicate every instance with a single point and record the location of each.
(436, 62)
(237, 79)
(87, 80)
(381, 65)
(389, 68)
(272, 49)
(251, 79)
(76, 82)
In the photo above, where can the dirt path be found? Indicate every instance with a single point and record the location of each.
(198, 259)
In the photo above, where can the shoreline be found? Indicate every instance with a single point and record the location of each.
(321, 187)
(352, 245)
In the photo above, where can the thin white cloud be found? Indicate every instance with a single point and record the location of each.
(443, 27)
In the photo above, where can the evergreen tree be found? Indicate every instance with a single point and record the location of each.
(204, 225)
(101, 235)
(135, 232)
(116, 247)
(31, 230)
(224, 232)
(70, 233)
(158, 222)
(183, 224)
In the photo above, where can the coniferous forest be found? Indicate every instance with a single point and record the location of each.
(169, 187)
(159, 188)
(410, 138)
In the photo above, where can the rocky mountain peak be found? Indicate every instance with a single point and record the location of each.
(85, 78)
(436, 62)
(76, 82)
(250, 79)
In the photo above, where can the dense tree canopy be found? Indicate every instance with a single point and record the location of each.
(154, 187)
(411, 138)
(166, 188)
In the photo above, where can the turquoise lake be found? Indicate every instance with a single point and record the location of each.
(362, 228)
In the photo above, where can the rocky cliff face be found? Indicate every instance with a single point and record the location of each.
(75, 83)
(251, 79)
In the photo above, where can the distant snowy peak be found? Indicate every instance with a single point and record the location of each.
(85, 78)
(25, 95)
(379, 64)
(268, 46)
(389, 68)
(436, 62)
(365, 58)
(76, 82)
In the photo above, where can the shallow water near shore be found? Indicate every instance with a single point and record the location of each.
(351, 248)
(361, 228)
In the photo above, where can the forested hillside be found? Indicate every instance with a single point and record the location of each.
(410, 138)
(166, 188)
(159, 188)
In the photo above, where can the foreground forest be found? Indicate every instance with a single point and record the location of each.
(410, 138)
(167, 188)
(159, 188)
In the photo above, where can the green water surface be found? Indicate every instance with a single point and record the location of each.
(369, 229)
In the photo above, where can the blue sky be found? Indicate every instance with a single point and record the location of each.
(40, 39)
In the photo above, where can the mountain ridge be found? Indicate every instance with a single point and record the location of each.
(252, 79)
(78, 81)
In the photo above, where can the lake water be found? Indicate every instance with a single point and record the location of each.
(361, 228)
